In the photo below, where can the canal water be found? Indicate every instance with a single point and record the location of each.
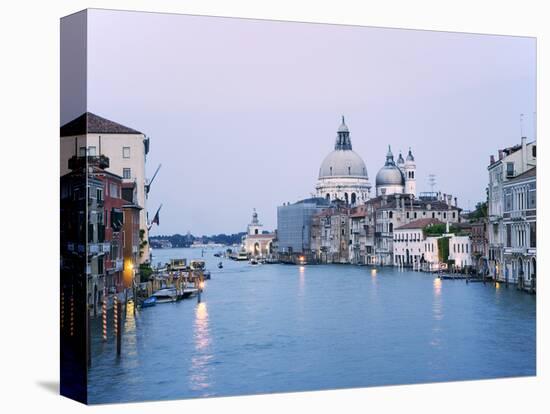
(279, 328)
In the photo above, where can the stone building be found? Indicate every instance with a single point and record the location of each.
(409, 243)
(511, 162)
(330, 236)
(395, 210)
(519, 222)
(126, 148)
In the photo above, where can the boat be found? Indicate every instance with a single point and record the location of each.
(187, 292)
(166, 295)
(177, 265)
(220, 265)
(150, 301)
(206, 275)
(253, 262)
(197, 264)
(241, 256)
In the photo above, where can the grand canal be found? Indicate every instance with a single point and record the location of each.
(277, 328)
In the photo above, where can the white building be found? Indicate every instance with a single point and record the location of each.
(125, 147)
(460, 251)
(343, 173)
(409, 243)
(255, 242)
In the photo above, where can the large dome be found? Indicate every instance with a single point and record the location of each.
(343, 163)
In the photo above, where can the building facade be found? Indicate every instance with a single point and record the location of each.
(511, 162)
(519, 222)
(125, 147)
(294, 225)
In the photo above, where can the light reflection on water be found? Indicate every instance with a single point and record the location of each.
(277, 328)
(199, 362)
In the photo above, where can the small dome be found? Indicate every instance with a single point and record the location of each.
(410, 156)
(400, 159)
(389, 175)
(343, 163)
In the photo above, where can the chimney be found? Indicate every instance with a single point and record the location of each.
(500, 155)
(492, 159)
(524, 153)
(456, 202)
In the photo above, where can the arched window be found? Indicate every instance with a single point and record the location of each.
(330, 170)
(328, 196)
(346, 198)
(391, 227)
(349, 170)
(353, 198)
(256, 231)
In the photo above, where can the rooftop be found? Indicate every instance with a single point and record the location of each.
(419, 224)
(90, 123)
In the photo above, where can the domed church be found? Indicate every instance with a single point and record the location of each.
(397, 178)
(343, 174)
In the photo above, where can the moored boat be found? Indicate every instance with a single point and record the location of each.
(150, 301)
(166, 295)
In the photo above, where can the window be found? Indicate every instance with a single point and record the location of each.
(125, 152)
(534, 151)
(92, 151)
(113, 190)
(126, 173)
(99, 194)
(509, 169)
(82, 151)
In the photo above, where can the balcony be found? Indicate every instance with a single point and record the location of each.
(100, 161)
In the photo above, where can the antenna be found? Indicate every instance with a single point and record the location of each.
(521, 124)
(535, 125)
(431, 181)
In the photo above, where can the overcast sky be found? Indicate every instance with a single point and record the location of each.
(241, 112)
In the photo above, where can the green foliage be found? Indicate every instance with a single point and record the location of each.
(145, 272)
(440, 229)
(480, 212)
(443, 248)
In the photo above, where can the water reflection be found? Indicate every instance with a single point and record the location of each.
(130, 336)
(302, 279)
(199, 379)
(437, 313)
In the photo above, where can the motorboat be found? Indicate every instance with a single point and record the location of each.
(220, 265)
(149, 302)
(187, 292)
(253, 262)
(166, 295)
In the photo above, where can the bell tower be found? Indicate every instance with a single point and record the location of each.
(410, 174)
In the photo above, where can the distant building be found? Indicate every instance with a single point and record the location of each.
(395, 210)
(409, 242)
(126, 148)
(330, 235)
(294, 225)
(257, 243)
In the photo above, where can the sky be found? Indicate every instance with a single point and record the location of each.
(241, 113)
